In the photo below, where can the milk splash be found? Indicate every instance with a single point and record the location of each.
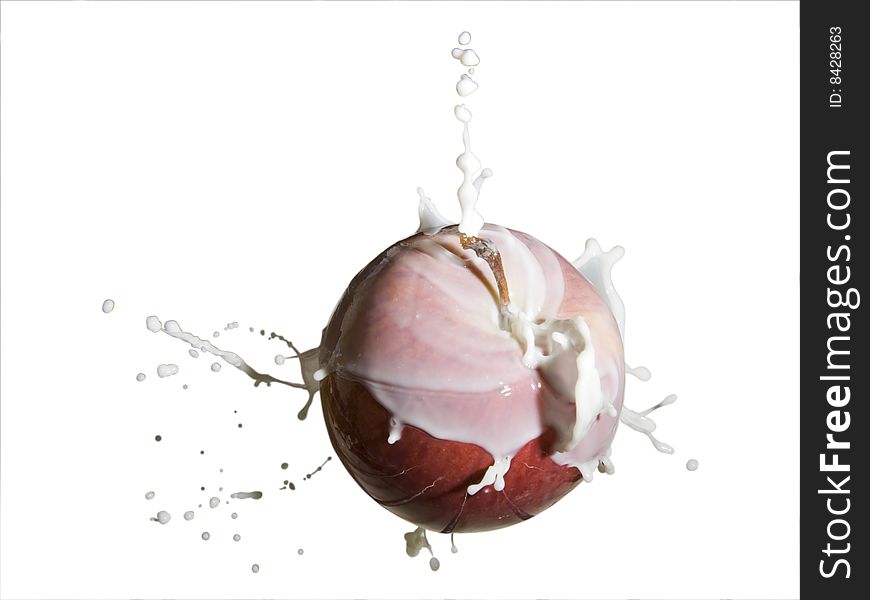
(551, 346)
(555, 347)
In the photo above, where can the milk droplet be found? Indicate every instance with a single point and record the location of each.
(214, 502)
(434, 564)
(108, 305)
(140, 377)
(467, 57)
(216, 334)
(167, 370)
(640, 422)
(464, 38)
(188, 516)
(244, 495)
(215, 367)
(279, 360)
(692, 464)
(300, 552)
(416, 541)
(234, 515)
(641, 373)
(205, 535)
(466, 85)
(163, 517)
(255, 568)
(236, 537)
(153, 324)
(462, 113)
(149, 495)
(453, 547)
(193, 353)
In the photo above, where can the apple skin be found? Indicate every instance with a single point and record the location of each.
(424, 479)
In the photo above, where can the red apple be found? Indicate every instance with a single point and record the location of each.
(416, 338)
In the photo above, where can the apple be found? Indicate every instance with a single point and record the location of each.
(426, 392)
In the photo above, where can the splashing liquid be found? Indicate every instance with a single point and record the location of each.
(641, 423)
(167, 370)
(173, 329)
(246, 495)
(415, 541)
(595, 264)
(318, 469)
(162, 517)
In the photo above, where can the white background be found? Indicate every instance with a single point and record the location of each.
(240, 162)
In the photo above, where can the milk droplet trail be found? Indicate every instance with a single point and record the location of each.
(415, 541)
(140, 377)
(245, 495)
(692, 464)
(167, 370)
(173, 329)
(162, 517)
(464, 38)
(149, 495)
(453, 547)
(108, 305)
(318, 469)
(639, 421)
(188, 516)
(309, 364)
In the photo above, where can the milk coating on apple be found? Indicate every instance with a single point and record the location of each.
(405, 350)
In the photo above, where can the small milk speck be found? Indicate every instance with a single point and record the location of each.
(237, 537)
(108, 306)
(188, 516)
(149, 495)
(213, 503)
(205, 535)
(692, 464)
(255, 568)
